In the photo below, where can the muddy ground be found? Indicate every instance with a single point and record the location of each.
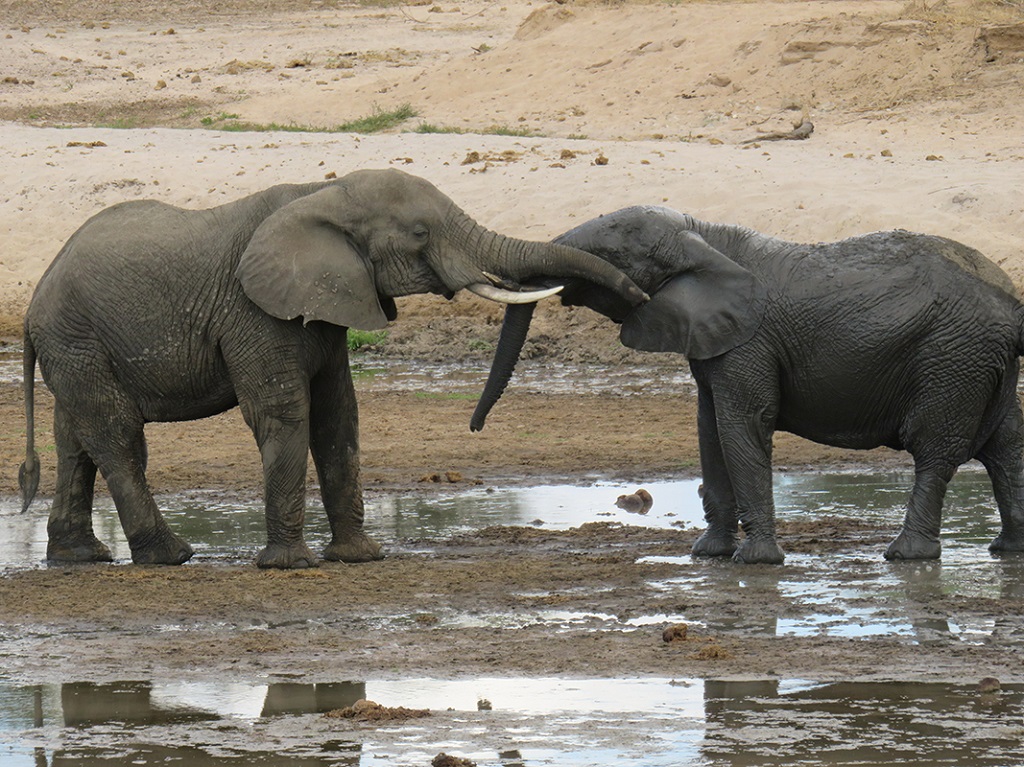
(106, 622)
(386, 619)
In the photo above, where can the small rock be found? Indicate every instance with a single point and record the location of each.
(601, 160)
(675, 632)
(483, 705)
(989, 684)
(445, 760)
(639, 502)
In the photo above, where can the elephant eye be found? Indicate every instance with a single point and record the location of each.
(420, 232)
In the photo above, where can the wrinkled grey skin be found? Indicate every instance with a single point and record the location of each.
(154, 313)
(896, 339)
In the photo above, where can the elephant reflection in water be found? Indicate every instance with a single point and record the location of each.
(86, 704)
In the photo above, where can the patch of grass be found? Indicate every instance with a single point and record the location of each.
(208, 121)
(379, 120)
(431, 128)
(494, 130)
(360, 339)
(120, 123)
(454, 395)
(504, 130)
(247, 127)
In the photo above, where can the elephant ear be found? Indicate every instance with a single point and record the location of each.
(710, 307)
(302, 262)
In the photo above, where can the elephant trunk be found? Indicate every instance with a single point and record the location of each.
(517, 260)
(510, 344)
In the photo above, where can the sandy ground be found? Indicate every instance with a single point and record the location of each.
(917, 117)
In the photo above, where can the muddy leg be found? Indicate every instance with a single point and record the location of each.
(1003, 457)
(282, 433)
(719, 501)
(919, 538)
(334, 441)
(69, 530)
(746, 440)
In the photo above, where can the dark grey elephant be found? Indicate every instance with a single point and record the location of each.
(894, 338)
(154, 313)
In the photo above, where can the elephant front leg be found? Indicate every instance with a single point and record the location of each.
(746, 442)
(717, 497)
(334, 441)
(284, 444)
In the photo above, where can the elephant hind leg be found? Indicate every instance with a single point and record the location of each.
(70, 535)
(1003, 458)
(919, 538)
(108, 427)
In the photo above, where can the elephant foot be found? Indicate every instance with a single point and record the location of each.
(763, 551)
(294, 557)
(355, 548)
(910, 545)
(164, 549)
(85, 549)
(714, 545)
(1006, 544)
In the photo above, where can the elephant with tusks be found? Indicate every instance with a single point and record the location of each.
(155, 313)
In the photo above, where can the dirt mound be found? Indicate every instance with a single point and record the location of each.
(671, 71)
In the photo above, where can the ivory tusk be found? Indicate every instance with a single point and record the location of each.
(510, 296)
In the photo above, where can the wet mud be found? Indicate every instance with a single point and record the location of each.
(509, 563)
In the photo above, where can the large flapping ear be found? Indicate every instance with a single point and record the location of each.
(709, 308)
(302, 262)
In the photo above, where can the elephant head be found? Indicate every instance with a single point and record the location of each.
(341, 252)
(702, 302)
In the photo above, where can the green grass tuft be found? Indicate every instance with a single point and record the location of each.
(380, 120)
(360, 339)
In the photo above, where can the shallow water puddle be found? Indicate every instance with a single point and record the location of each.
(525, 721)
(221, 526)
(826, 594)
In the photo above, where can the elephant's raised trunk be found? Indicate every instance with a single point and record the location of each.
(518, 260)
(510, 345)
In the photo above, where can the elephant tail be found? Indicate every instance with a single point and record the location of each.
(28, 474)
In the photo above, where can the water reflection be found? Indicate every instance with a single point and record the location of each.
(533, 721)
(222, 526)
